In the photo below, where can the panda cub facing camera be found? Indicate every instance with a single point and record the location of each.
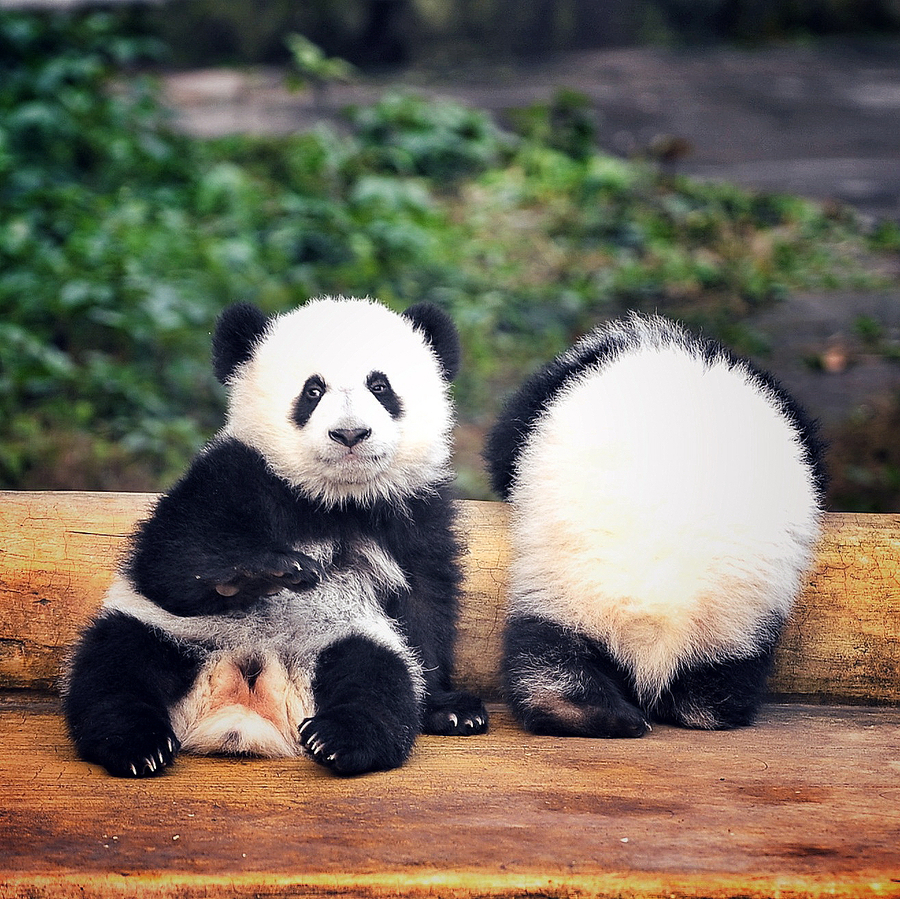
(666, 501)
(296, 591)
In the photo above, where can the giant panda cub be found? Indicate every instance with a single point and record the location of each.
(296, 591)
(665, 504)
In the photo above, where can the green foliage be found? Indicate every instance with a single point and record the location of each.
(120, 242)
(310, 61)
(312, 66)
(567, 123)
(442, 141)
(88, 177)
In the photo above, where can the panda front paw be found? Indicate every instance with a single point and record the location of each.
(348, 741)
(455, 714)
(268, 574)
(139, 749)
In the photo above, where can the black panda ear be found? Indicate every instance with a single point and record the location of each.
(440, 332)
(237, 331)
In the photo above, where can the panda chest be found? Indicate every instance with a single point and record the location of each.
(254, 687)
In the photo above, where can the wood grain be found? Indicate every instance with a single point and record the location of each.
(806, 803)
(58, 552)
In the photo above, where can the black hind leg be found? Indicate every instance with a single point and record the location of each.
(123, 680)
(367, 714)
(720, 695)
(559, 682)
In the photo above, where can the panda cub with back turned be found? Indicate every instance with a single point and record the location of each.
(666, 501)
(296, 591)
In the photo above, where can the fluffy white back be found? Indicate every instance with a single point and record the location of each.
(663, 505)
(343, 341)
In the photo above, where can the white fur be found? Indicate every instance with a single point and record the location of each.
(223, 714)
(662, 506)
(343, 341)
(283, 636)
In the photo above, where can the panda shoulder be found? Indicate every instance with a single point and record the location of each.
(225, 460)
(535, 396)
(225, 475)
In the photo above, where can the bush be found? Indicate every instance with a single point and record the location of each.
(121, 241)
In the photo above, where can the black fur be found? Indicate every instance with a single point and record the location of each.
(238, 329)
(440, 332)
(718, 695)
(123, 679)
(305, 404)
(367, 717)
(381, 389)
(229, 520)
(593, 698)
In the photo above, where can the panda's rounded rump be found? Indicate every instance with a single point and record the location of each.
(663, 500)
(668, 428)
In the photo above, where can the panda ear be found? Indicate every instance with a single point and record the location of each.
(439, 330)
(237, 332)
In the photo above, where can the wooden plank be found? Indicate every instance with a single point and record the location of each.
(804, 804)
(843, 639)
(58, 551)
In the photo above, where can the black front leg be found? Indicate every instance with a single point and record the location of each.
(230, 578)
(261, 574)
(428, 621)
(367, 715)
(122, 683)
(454, 713)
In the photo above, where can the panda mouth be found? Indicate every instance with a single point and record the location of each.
(354, 466)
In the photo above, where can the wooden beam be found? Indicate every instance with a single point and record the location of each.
(58, 552)
(802, 805)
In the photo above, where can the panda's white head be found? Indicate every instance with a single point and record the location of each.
(345, 399)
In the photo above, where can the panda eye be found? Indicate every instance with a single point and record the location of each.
(380, 387)
(313, 389)
(378, 384)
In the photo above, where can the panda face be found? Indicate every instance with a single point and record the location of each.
(345, 400)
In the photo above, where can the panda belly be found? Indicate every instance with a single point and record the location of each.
(254, 685)
(245, 703)
(663, 508)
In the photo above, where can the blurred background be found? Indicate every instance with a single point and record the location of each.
(533, 167)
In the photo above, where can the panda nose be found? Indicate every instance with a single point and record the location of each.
(349, 437)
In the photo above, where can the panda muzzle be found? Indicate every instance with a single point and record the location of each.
(350, 437)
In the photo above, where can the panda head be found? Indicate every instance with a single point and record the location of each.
(344, 399)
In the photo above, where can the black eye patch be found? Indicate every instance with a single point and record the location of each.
(380, 387)
(313, 391)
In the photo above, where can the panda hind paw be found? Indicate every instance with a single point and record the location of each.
(142, 753)
(351, 744)
(455, 714)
